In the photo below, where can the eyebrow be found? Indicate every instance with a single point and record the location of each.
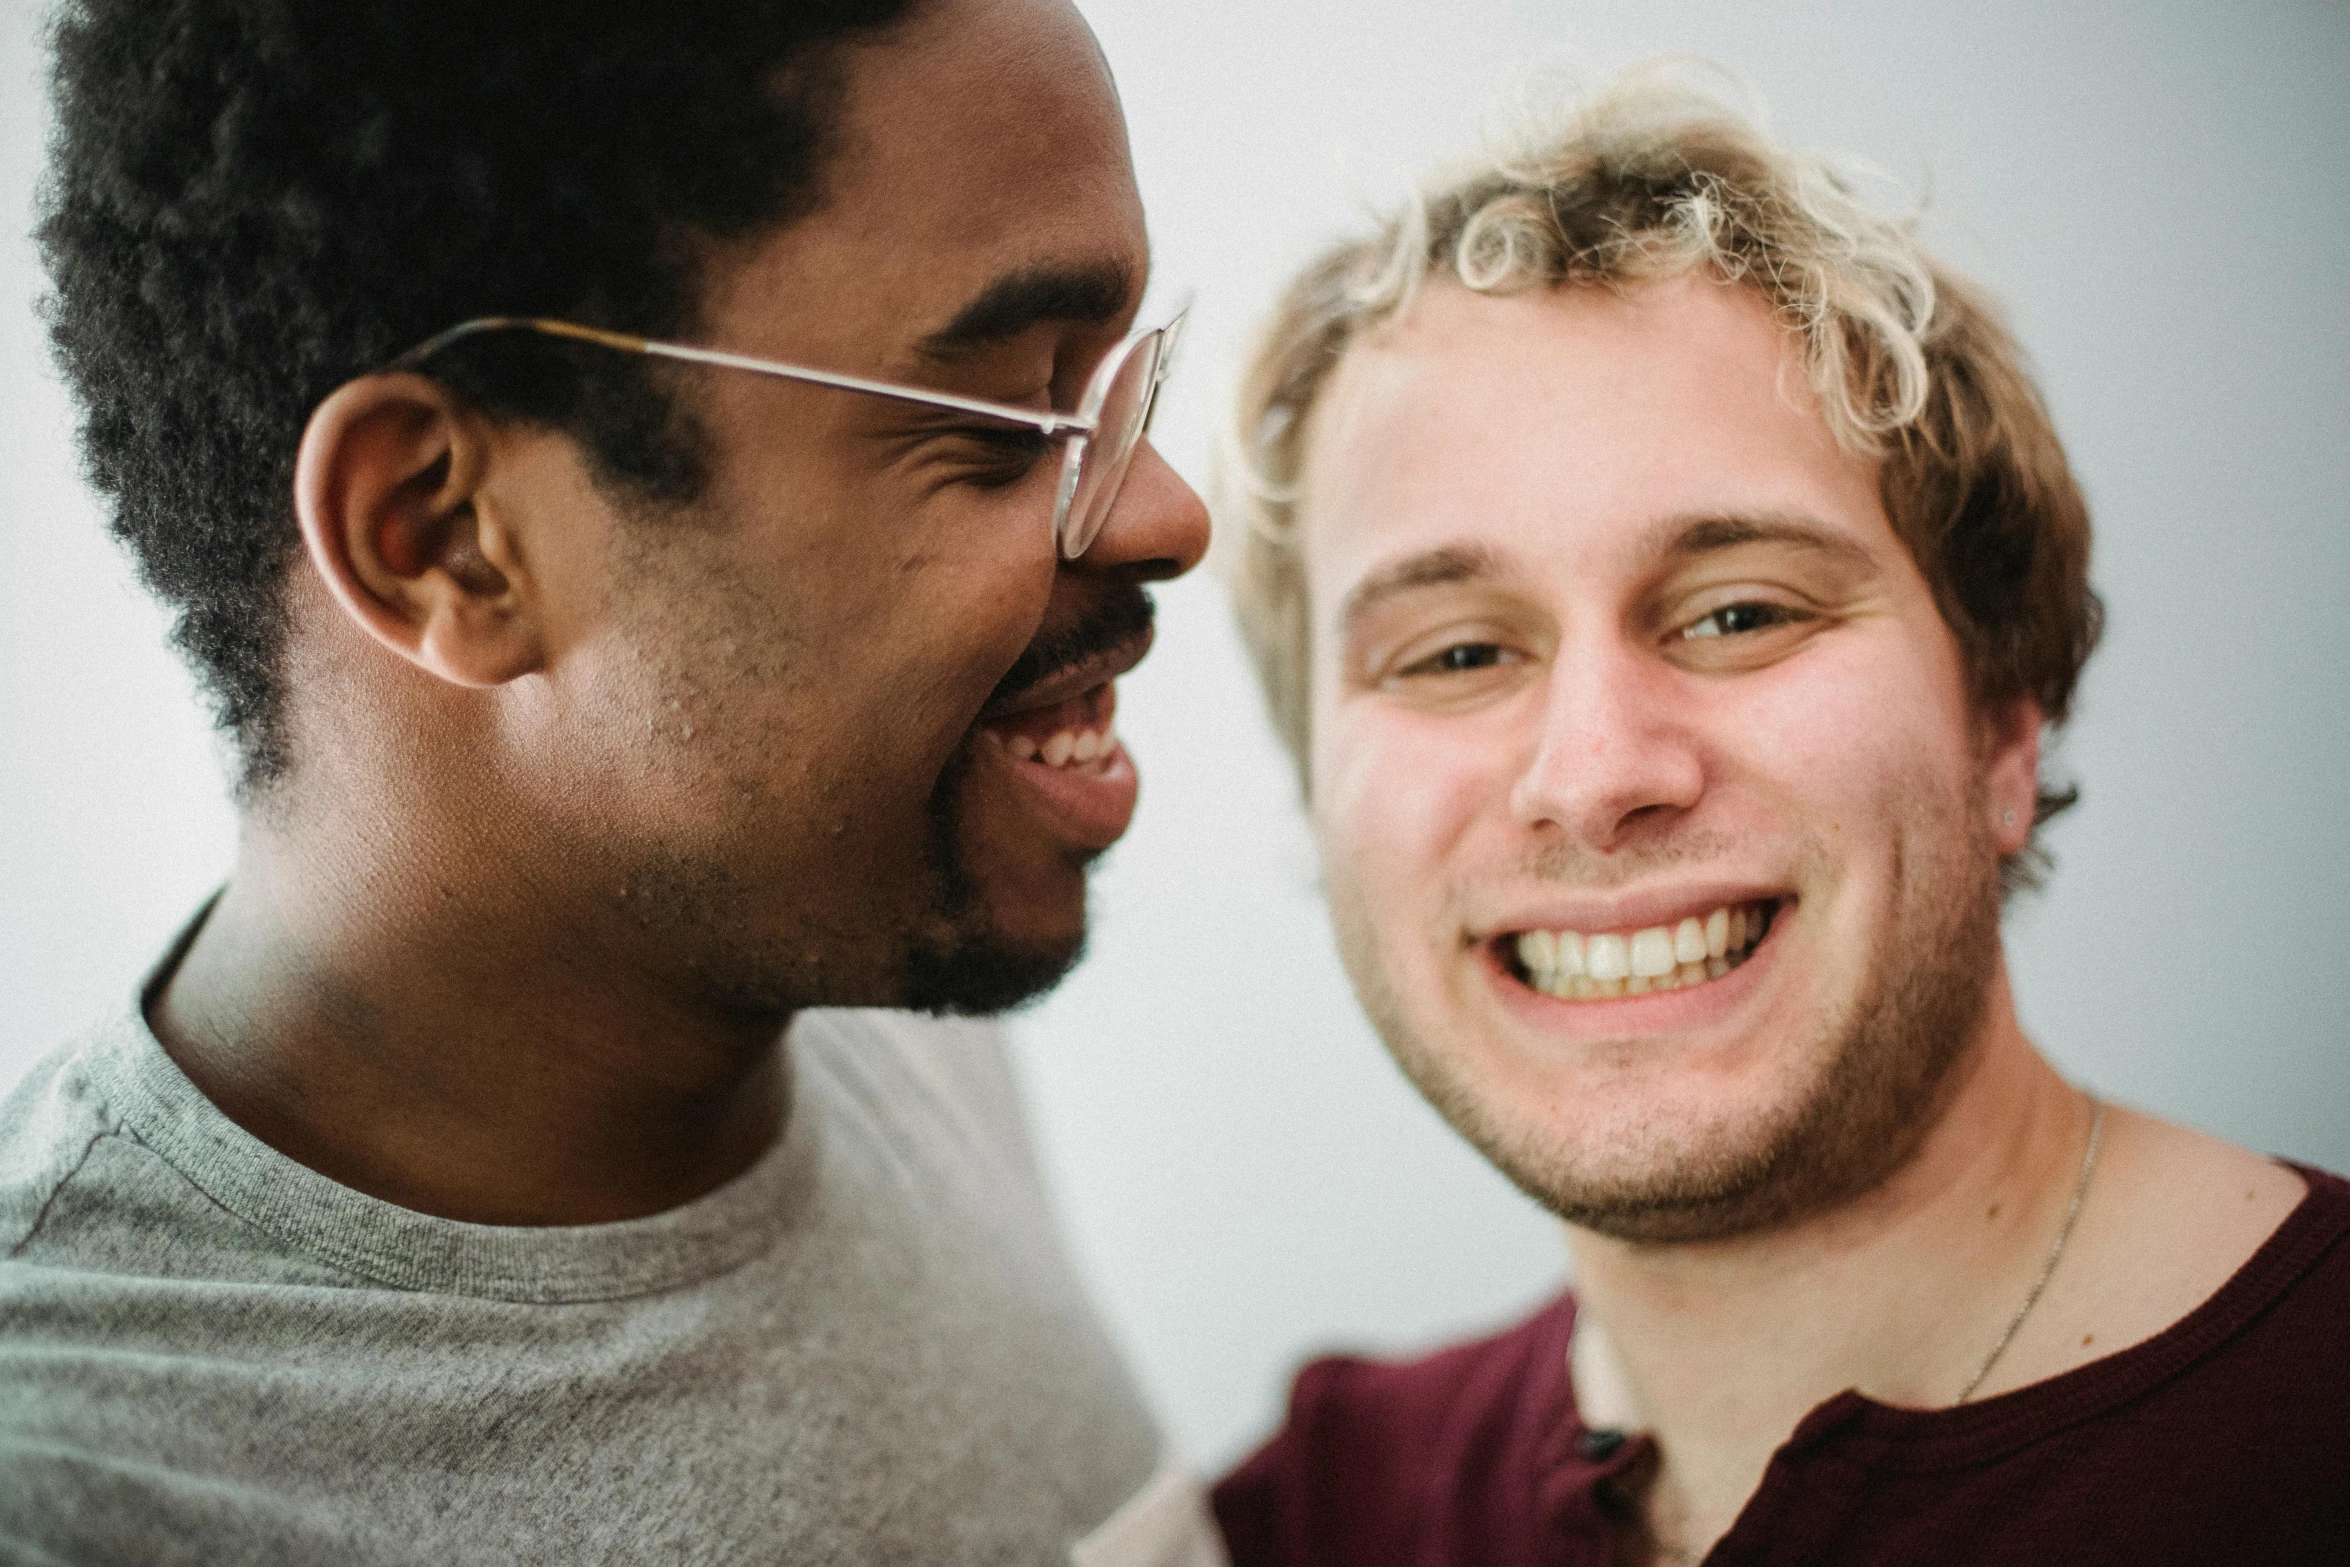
(1677, 537)
(1089, 293)
(1447, 563)
(1686, 537)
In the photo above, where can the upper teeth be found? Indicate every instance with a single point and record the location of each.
(1661, 957)
(1070, 745)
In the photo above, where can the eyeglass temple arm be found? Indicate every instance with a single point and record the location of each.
(1046, 422)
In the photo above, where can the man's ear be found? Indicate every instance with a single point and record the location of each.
(2011, 756)
(387, 488)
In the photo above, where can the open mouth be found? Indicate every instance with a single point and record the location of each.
(1076, 733)
(1577, 965)
(1058, 740)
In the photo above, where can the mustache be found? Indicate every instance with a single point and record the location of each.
(1126, 613)
(1578, 865)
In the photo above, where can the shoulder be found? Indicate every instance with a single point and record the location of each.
(2191, 1252)
(2222, 1433)
(2303, 1264)
(1373, 1453)
(2212, 1197)
(940, 1090)
(99, 1201)
(2174, 1216)
(48, 1126)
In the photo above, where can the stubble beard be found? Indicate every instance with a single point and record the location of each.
(962, 964)
(944, 955)
(1889, 1061)
(942, 952)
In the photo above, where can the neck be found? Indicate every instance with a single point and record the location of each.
(473, 1049)
(1720, 1349)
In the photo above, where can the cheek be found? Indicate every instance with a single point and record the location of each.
(1397, 798)
(949, 625)
(898, 608)
(1848, 762)
(1852, 718)
(869, 698)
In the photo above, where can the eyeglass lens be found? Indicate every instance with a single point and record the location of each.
(1117, 430)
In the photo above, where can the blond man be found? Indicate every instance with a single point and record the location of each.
(1664, 573)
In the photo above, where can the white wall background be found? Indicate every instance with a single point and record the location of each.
(2158, 191)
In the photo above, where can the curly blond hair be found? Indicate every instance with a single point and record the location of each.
(1651, 178)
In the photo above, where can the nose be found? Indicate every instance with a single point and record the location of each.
(1614, 755)
(1157, 527)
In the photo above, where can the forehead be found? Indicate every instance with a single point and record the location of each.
(980, 139)
(1568, 426)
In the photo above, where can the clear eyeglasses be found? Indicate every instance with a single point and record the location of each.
(1099, 435)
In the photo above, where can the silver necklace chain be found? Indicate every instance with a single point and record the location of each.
(2064, 1233)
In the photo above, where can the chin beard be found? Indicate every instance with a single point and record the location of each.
(941, 955)
(964, 966)
(977, 974)
(1891, 1063)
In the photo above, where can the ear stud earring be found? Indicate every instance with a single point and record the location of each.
(2007, 817)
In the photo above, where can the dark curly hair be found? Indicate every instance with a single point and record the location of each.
(250, 202)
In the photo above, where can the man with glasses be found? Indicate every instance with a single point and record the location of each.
(660, 499)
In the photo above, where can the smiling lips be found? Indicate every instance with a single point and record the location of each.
(1068, 755)
(1054, 738)
(1574, 966)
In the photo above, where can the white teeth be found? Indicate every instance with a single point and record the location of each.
(1652, 952)
(1610, 957)
(1691, 951)
(1071, 747)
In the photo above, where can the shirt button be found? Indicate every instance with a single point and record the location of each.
(1600, 1445)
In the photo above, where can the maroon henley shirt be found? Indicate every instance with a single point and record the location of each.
(2223, 1439)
